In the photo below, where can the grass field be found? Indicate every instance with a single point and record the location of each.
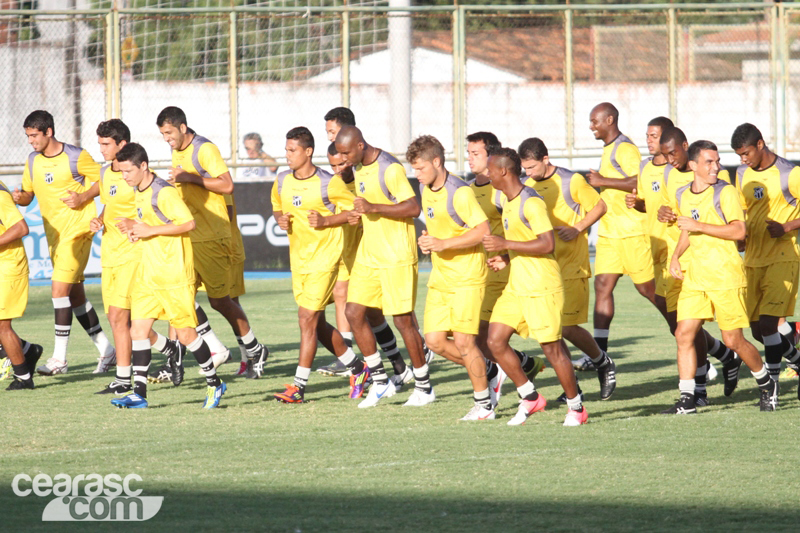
(257, 465)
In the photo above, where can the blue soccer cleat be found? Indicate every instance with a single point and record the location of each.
(214, 395)
(131, 401)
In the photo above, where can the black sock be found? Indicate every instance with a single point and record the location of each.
(532, 397)
(388, 343)
(720, 352)
(764, 383)
(789, 352)
(203, 327)
(202, 355)
(772, 359)
(21, 372)
(140, 358)
(527, 362)
(491, 370)
(602, 342)
(376, 369)
(89, 320)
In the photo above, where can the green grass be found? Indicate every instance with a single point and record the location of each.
(255, 464)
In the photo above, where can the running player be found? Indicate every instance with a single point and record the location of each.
(455, 228)
(385, 272)
(120, 259)
(57, 174)
(771, 186)
(711, 221)
(165, 283)
(202, 178)
(311, 204)
(572, 207)
(533, 300)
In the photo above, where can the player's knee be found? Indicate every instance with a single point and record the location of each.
(340, 291)
(464, 343)
(403, 322)
(354, 313)
(684, 335)
(435, 343)
(307, 318)
(219, 304)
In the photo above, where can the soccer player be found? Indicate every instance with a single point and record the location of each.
(57, 174)
(237, 273)
(455, 228)
(572, 207)
(622, 247)
(165, 283)
(14, 292)
(120, 259)
(533, 300)
(771, 188)
(311, 204)
(202, 178)
(385, 272)
(711, 221)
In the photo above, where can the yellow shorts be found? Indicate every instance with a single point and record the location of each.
(173, 305)
(212, 264)
(13, 297)
(673, 292)
(576, 302)
(392, 289)
(726, 305)
(117, 284)
(493, 291)
(313, 291)
(771, 290)
(628, 255)
(535, 316)
(237, 280)
(457, 311)
(69, 258)
(658, 249)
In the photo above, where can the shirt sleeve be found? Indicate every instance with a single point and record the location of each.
(639, 184)
(628, 158)
(671, 200)
(794, 182)
(536, 213)
(339, 195)
(88, 168)
(275, 198)
(27, 178)
(583, 193)
(173, 207)
(9, 214)
(730, 204)
(211, 160)
(467, 207)
(397, 183)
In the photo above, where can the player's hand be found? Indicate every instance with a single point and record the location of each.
(353, 218)
(428, 243)
(630, 199)
(666, 215)
(285, 222)
(494, 243)
(315, 220)
(125, 225)
(140, 230)
(178, 175)
(775, 229)
(422, 242)
(741, 246)
(16, 195)
(73, 200)
(675, 268)
(363, 206)
(688, 224)
(567, 233)
(96, 225)
(594, 177)
(498, 262)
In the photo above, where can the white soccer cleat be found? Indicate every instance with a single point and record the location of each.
(584, 362)
(479, 413)
(376, 393)
(106, 362)
(53, 367)
(218, 358)
(419, 398)
(400, 380)
(495, 386)
(711, 372)
(526, 409)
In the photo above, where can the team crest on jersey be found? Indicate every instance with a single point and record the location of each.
(695, 214)
(139, 212)
(430, 212)
(297, 201)
(656, 186)
(48, 177)
(112, 191)
(361, 187)
(758, 192)
(505, 223)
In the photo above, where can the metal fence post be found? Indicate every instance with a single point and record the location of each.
(346, 55)
(233, 87)
(117, 63)
(109, 65)
(782, 77)
(459, 85)
(568, 79)
(673, 64)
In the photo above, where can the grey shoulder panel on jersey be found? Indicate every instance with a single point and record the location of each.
(158, 185)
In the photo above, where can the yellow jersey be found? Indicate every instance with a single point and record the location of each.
(386, 242)
(491, 202)
(312, 249)
(452, 211)
(651, 187)
(712, 263)
(119, 199)
(568, 197)
(238, 256)
(620, 160)
(351, 235)
(524, 218)
(770, 194)
(208, 208)
(13, 261)
(50, 179)
(166, 260)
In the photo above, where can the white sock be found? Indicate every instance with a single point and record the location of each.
(214, 344)
(784, 329)
(686, 386)
(161, 342)
(601, 333)
(526, 389)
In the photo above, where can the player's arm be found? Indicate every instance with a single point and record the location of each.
(22, 197)
(342, 198)
(543, 244)
(569, 233)
(97, 223)
(140, 230)
(409, 208)
(222, 184)
(17, 231)
(776, 229)
(732, 231)
(675, 264)
(596, 179)
(74, 200)
(474, 236)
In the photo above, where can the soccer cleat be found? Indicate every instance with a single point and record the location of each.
(337, 368)
(53, 367)
(526, 409)
(242, 369)
(684, 406)
(711, 372)
(20, 384)
(292, 394)
(401, 380)
(131, 401)
(5, 368)
(769, 397)
(377, 392)
(730, 375)
(214, 395)
(218, 359)
(117, 387)
(479, 412)
(429, 354)
(607, 376)
(419, 398)
(496, 386)
(701, 399)
(175, 362)
(582, 363)
(538, 366)
(162, 374)
(106, 362)
(32, 357)
(255, 364)
(790, 372)
(563, 397)
(358, 383)
(576, 418)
